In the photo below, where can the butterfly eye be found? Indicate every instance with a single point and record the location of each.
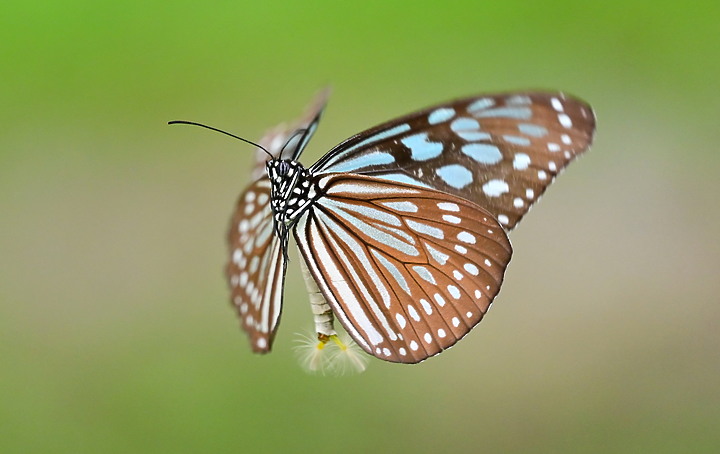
(283, 168)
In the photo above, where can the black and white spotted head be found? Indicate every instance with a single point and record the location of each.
(291, 191)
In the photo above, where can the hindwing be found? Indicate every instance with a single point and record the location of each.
(407, 270)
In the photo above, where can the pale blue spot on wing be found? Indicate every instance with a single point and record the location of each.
(368, 212)
(520, 113)
(329, 165)
(483, 153)
(473, 135)
(401, 178)
(424, 274)
(366, 160)
(517, 140)
(394, 271)
(420, 148)
(399, 129)
(532, 130)
(455, 175)
(518, 100)
(376, 234)
(408, 207)
(401, 233)
(440, 115)
(480, 104)
(425, 229)
(439, 257)
(464, 124)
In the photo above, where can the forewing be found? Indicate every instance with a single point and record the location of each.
(277, 137)
(256, 268)
(499, 151)
(408, 271)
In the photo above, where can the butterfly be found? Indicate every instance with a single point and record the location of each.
(403, 228)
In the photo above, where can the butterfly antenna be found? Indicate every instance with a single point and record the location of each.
(183, 122)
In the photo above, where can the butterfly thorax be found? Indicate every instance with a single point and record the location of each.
(291, 191)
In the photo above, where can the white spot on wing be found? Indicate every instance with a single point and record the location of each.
(413, 313)
(521, 161)
(495, 188)
(448, 206)
(556, 104)
(565, 120)
(426, 306)
(454, 292)
(471, 268)
(465, 237)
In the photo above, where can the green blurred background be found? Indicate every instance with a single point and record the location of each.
(116, 334)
